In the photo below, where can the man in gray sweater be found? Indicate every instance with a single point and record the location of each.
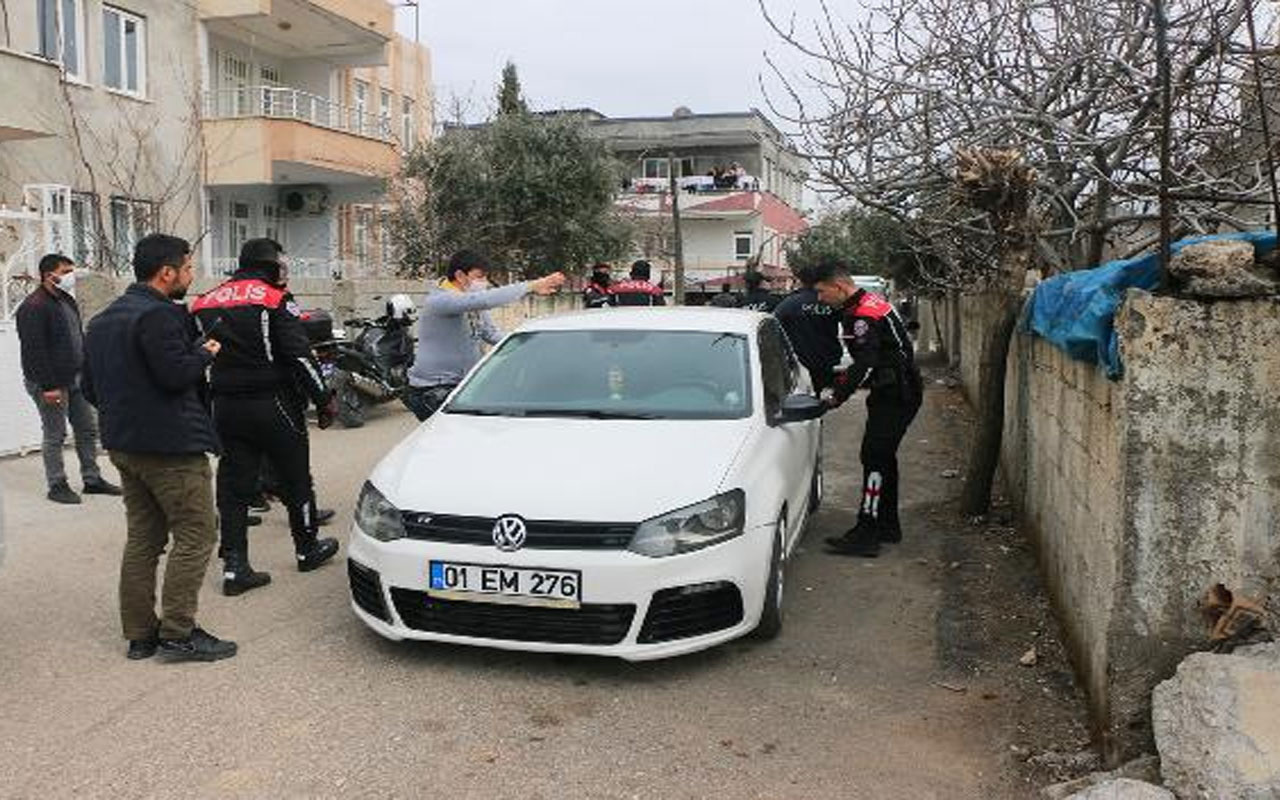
(454, 325)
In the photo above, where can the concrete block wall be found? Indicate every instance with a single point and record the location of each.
(1142, 493)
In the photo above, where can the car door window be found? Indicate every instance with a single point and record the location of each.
(775, 374)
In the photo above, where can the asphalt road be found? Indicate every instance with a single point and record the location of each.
(844, 704)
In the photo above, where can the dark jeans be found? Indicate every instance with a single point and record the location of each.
(424, 401)
(252, 428)
(164, 496)
(53, 424)
(889, 414)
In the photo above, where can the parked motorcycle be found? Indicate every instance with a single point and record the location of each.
(372, 366)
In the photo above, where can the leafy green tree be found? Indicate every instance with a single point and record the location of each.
(535, 193)
(872, 243)
(510, 98)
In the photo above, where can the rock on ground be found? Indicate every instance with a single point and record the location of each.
(1217, 725)
(1220, 269)
(1123, 789)
(1141, 770)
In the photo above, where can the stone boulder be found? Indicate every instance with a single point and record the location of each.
(1123, 789)
(1220, 269)
(1217, 725)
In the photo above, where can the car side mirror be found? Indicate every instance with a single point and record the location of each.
(799, 408)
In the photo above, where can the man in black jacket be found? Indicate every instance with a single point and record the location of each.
(261, 384)
(884, 363)
(813, 327)
(52, 341)
(637, 291)
(145, 371)
(757, 297)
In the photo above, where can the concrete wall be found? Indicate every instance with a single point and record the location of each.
(1142, 493)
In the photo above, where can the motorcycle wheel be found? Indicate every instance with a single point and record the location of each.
(350, 403)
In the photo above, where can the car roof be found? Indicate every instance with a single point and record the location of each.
(655, 318)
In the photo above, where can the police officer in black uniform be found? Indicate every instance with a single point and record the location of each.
(597, 293)
(813, 328)
(883, 362)
(757, 297)
(260, 394)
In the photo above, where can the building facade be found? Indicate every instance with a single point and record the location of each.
(739, 185)
(216, 120)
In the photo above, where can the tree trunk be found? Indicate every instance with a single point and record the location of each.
(984, 451)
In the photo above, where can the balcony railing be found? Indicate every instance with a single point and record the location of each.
(276, 102)
(700, 184)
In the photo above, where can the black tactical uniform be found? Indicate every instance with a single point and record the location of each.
(814, 331)
(261, 381)
(884, 362)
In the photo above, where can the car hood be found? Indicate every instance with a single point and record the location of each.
(559, 469)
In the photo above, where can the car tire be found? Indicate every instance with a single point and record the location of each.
(350, 403)
(817, 487)
(771, 614)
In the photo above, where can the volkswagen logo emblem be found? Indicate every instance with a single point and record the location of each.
(509, 533)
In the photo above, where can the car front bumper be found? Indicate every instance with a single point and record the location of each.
(619, 616)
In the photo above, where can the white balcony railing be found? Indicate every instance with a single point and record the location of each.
(277, 102)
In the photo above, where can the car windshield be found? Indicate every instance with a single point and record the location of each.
(612, 374)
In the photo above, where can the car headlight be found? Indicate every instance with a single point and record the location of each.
(692, 527)
(376, 516)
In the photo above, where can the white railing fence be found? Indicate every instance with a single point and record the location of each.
(279, 102)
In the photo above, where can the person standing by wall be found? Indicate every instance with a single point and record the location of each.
(52, 346)
(261, 385)
(145, 372)
(884, 363)
(455, 323)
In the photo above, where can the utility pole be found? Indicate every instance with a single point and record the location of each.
(675, 225)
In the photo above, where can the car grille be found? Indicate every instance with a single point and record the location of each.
(544, 535)
(366, 590)
(691, 611)
(589, 624)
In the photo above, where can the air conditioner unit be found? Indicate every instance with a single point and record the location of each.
(304, 200)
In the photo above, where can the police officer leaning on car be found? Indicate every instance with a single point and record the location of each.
(261, 382)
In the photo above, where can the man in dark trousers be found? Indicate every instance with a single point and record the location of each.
(145, 371)
(52, 345)
(261, 384)
(813, 328)
(757, 297)
(884, 363)
(638, 291)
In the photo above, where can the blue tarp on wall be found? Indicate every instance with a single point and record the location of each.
(1076, 311)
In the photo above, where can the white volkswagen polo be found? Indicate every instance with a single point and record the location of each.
(622, 482)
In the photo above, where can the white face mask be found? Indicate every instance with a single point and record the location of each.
(67, 283)
(478, 285)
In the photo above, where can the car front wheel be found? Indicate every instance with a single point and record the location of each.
(771, 615)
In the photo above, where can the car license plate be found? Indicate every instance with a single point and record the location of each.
(487, 583)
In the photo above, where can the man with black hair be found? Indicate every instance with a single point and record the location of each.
(883, 362)
(757, 297)
(596, 294)
(145, 371)
(813, 328)
(455, 323)
(638, 291)
(261, 384)
(52, 347)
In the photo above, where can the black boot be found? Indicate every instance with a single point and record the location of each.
(314, 553)
(890, 531)
(861, 540)
(311, 551)
(239, 576)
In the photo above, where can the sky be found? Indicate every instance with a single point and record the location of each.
(622, 59)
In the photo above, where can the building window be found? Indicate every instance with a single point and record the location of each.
(384, 114)
(237, 227)
(82, 227)
(384, 238)
(62, 34)
(361, 106)
(360, 235)
(131, 219)
(271, 222)
(655, 168)
(124, 50)
(406, 124)
(743, 242)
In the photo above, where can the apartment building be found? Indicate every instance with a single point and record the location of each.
(307, 111)
(740, 186)
(217, 120)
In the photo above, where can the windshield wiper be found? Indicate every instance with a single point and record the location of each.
(587, 413)
(485, 412)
